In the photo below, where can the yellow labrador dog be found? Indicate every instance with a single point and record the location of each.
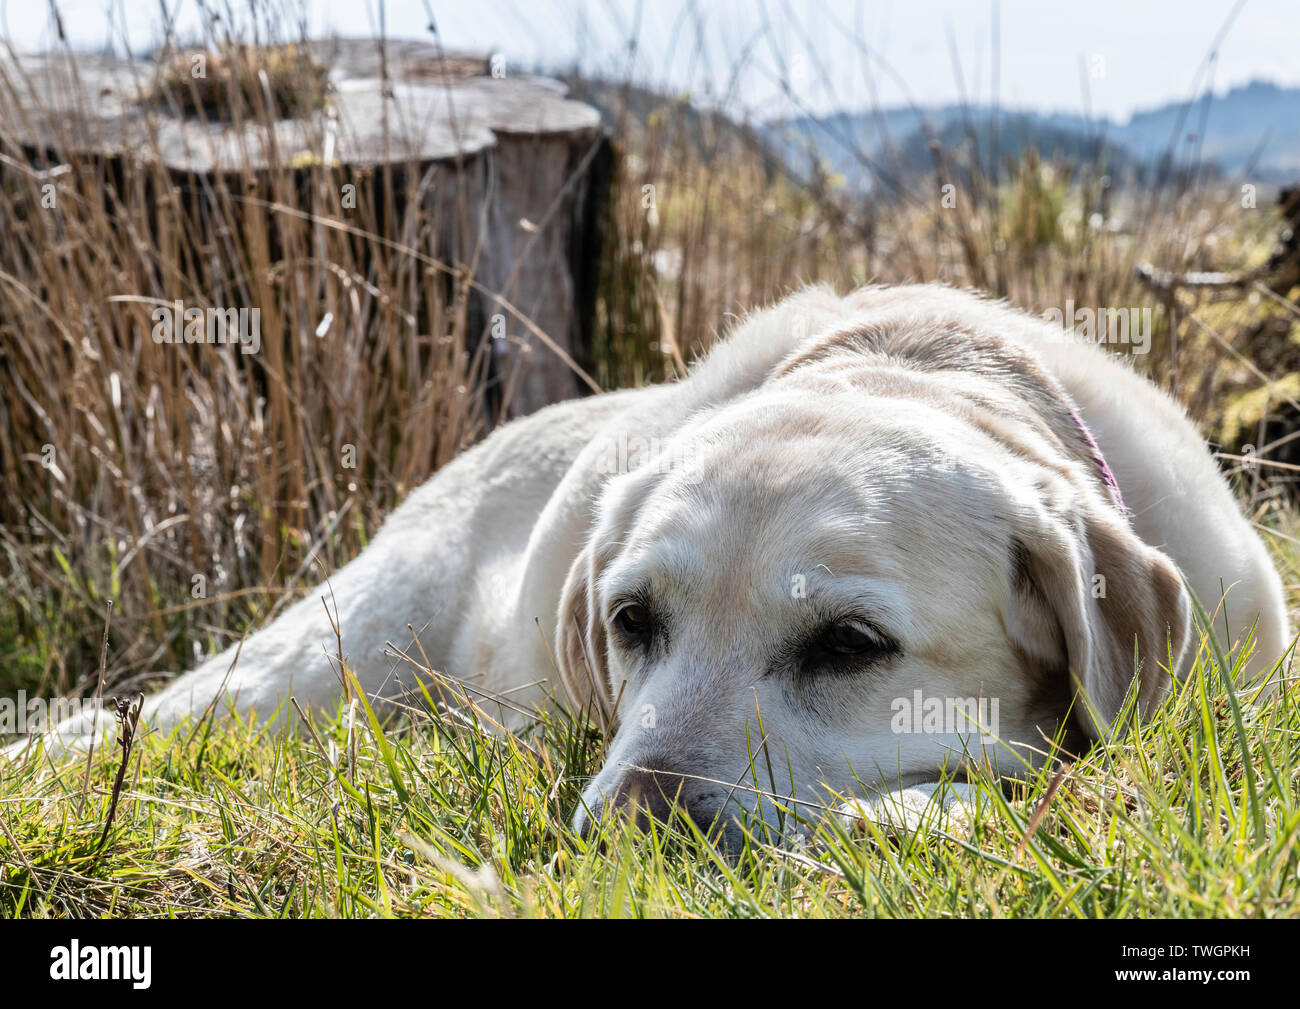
(859, 530)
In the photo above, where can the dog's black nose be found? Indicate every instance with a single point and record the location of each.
(656, 795)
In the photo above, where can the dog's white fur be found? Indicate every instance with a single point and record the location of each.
(903, 458)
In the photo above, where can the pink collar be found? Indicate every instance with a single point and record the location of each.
(1103, 467)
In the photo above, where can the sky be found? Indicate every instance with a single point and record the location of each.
(1107, 57)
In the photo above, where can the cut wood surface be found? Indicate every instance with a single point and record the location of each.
(514, 170)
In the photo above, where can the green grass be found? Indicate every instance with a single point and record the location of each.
(1195, 814)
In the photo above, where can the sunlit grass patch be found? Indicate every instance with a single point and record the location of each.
(1195, 813)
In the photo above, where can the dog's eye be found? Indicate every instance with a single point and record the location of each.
(846, 639)
(847, 642)
(634, 621)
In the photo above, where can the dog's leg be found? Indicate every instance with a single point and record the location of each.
(933, 807)
(417, 572)
(375, 597)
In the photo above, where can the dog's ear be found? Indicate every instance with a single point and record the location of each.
(582, 646)
(581, 643)
(1085, 594)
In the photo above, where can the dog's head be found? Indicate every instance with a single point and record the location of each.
(841, 585)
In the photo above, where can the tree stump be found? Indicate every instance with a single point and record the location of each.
(515, 174)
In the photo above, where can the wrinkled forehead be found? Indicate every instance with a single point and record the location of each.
(774, 499)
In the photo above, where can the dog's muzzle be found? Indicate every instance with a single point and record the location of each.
(647, 795)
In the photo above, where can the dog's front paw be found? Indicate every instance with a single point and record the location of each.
(938, 808)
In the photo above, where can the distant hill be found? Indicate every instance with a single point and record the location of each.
(1250, 131)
